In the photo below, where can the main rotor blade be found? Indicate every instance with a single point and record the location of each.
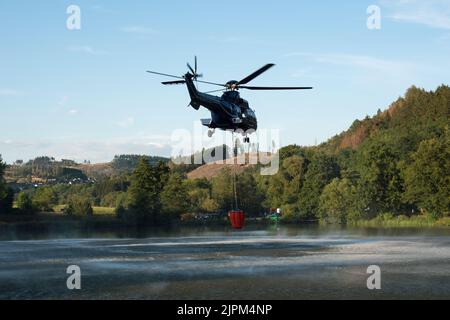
(195, 65)
(213, 83)
(176, 77)
(165, 75)
(214, 91)
(167, 83)
(255, 74)
(275, 88)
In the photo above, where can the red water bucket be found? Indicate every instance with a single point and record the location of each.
(237, 219)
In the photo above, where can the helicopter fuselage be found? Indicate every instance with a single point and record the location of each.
(229, 112)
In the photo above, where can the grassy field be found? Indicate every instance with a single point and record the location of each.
(97, 210)
(59, 208)
(403, 222)
(103, 211)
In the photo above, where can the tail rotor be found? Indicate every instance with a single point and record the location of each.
(195, 74)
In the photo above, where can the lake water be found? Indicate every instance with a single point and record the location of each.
(268, 263)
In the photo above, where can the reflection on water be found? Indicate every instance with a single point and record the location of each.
(253, 230)
(217, 263)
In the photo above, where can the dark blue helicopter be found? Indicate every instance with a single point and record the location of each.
(229, 112)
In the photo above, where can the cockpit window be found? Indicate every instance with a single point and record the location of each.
(249, 113)
(244, 104)
(231, 96)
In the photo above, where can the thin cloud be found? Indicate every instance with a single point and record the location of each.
(87, 50)
(73, 112)
(126, 123)
(301, 73)
(359, 61)
(102, 9)
(444, 39)
(140, 30)
(9, 92)
(432, 13)
(63, 101)
(229, 39)
(236, 39)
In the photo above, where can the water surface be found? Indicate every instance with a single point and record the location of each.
(202, 263)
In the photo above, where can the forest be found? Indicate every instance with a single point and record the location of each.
(393, 165)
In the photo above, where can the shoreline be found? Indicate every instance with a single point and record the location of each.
(45, 224)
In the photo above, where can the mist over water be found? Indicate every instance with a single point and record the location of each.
(202, 263)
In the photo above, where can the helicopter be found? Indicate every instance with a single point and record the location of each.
(230, 111)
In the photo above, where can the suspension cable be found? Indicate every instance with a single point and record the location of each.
(235, 151)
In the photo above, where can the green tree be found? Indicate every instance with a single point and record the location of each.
(321, 171)
(147, 183)
(209, 205)
(222, 189)
(112, 199)
(6, 204)
(174, 196)
(110, 185)
(120, 211)
(427, 178)
(337, 201)
(284, 188)
(275, 191)
(5, 193)
(199, 190)
(44, 199)
(380, 185)
(24, 203)
(250, 199)
(79, 206)
(128, 162)
(2, 179)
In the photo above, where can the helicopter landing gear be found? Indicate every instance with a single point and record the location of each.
(211, 133)
(246, 140)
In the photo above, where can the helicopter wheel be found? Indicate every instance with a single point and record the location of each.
(210, 133)
(246, 140)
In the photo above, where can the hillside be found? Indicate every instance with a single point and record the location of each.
(415, 115)
(47, 170)
(396, 162)
(97, 169)
(211, 170)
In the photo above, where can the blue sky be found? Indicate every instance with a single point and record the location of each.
(84, 94)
